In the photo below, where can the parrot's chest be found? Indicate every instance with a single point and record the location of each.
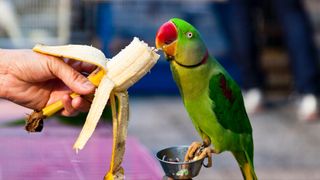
(192, 83)
(195, 94)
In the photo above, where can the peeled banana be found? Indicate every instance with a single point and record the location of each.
(112, 77)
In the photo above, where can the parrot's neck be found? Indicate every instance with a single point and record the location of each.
(203, 61)
(193, 81)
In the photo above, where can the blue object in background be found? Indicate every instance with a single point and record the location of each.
(157, 81)
(104, 26)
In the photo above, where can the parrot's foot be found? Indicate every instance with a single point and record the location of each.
(192, 151)
(198, 150)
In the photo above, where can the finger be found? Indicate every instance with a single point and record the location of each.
(81, 66)
(59, 90)
(86, 67)
(72, 78)
(67, 104)
(80, 104)
(67, 114)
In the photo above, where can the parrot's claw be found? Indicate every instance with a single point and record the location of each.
(193, 148)
(206, 152)
(198, 150)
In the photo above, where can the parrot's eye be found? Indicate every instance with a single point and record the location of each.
(189, 35)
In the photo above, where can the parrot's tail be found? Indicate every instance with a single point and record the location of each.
(246, 165)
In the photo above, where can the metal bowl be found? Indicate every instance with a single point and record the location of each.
(171, 160)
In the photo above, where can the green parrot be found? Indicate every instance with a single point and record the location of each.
(211, 97)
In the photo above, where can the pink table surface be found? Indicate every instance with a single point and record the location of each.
(49, 155)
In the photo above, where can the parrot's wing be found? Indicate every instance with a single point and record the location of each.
(228, 104)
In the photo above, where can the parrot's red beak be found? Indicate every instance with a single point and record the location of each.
(166, 39)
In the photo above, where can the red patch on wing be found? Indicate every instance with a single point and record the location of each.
(227, 92)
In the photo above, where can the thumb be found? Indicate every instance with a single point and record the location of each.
(72, 78)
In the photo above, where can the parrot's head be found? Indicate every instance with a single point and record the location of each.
(182, 43)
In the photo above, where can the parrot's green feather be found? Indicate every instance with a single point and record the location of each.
(176, 78)
(228, 104)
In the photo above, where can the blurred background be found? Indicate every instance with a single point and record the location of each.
(271, 48)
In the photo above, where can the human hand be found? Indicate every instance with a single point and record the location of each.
(35, 80)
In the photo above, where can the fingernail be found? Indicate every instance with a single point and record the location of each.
(88, 85)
